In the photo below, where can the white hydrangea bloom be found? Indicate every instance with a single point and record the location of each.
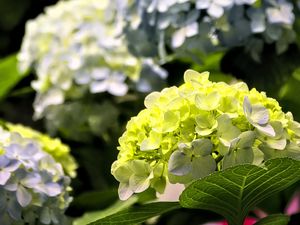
(76, 47)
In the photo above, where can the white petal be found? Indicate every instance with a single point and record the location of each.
(98, 86)
(124, 191)
(23, 196)
(118, 89)
(178, 38)
(215, 11)
(267, 130)
(192, 29)
(202, 4)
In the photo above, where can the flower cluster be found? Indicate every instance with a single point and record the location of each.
(190, 131)
(33, 186)
(59, 151)
(78, 53)
(207, 25)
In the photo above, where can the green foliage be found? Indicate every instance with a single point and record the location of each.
(276, 219)
(236, 190)
(138, 214)
(9, 74)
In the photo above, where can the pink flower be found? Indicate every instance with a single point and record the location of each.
(248, 221)
(293, 207)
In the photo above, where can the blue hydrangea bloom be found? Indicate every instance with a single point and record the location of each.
(33, 187)
(207, 25)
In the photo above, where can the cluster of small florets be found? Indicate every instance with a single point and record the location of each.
(190, 131)
(207, 25)
(81, 55)
(58, 150)
(74, 53)
(33, 187)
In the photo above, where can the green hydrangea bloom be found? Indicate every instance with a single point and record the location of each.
(190, 131)
(59, 151)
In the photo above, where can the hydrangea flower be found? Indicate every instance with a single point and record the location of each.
(77, 55)
(207, 25)
(190, 131)
(33, 186)
(59, 151)
(73, 60)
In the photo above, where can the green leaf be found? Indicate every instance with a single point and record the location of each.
(9, 74)
(233, 192)
(276, 219)
(138, 214)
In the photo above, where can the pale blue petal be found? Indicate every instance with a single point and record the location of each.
(4, 161)
(179, 163)
(53, 189)
(31, 180)
(4, 176)
(13, 165)
(260, 115)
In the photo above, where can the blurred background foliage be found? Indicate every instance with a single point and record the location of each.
(94, 188)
